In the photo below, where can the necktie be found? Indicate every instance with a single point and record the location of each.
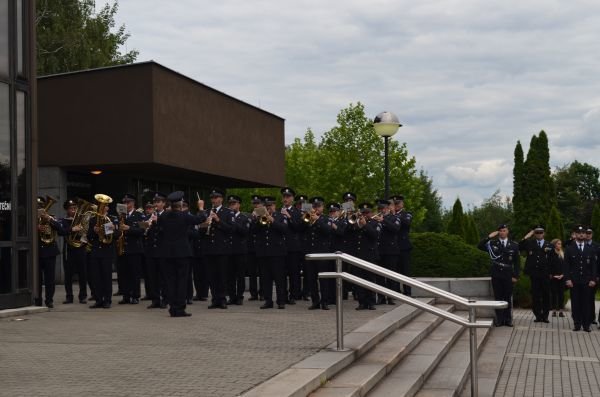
(504, 243)
(581, 247)
(540, 244)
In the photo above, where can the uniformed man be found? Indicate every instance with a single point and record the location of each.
(404, 244)
(133, 252)
(197, 238)
(293, 241)
(389, 250)
(299, 201)
(318, 240)
(74, 256)
(157, 289)
(270, 253)
(339, 224)
(218, 248)
(367, 238)
(253, 270)
(581, 263)
(175, 250)
(102, 255)
(236, 281)
(537, 267)
(589, 239)
(47, 252)
(504, 254)
(148, 211)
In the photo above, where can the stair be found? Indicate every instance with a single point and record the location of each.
(405, 352)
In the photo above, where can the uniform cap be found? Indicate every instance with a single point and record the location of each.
(41, 200)
(256, 199)
(269, 200)
(128, 197)
(176, 196)
(381, 203)
(234, 199)
(149, 204)
(69, 203)
(217, 193)
(365, 207)
(159, 196)
(300, 198)
(538, 228)
(334, 207)
(317, 200)
(579, 229)
(349, 196)
(589, 230)
(397, 198)
(502, 226)
(287, 191)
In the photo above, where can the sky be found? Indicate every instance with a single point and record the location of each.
(467, 78)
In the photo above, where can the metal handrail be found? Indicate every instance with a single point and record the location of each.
(472, 324)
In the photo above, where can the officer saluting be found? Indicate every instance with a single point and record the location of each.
(175, 250)
(581, 263)
(504, 254)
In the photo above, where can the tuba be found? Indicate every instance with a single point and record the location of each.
(81, 218)
(47, 234)
(103, 200)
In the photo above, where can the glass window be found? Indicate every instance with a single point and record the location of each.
(5, 186)
(5, 270)
(3, 38)
(23, 263)
(22, 202)
(20, 52)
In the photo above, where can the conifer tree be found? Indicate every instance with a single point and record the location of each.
(457, 222)
(518, 196)
(595, 223)
(554, 226)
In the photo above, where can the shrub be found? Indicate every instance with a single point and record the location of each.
(522, 292)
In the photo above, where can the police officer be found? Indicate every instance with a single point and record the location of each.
(148, 211)
(350, 238)
(175, 250)
(299, 201)
(367, 238)
(270, 253)
(404, 244)
(47, 252)
(581, 262)
(589, 239)
(74, 256)
(318, 240)
(157, 290)
(133, 251)
(389, 250)
(197, 238)
(236, 281)
(102, 255)
(218, 248)
(504, 254)
(253, 270)
(293, 240)
(537, 267)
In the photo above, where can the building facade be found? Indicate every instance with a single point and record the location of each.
(18, 280)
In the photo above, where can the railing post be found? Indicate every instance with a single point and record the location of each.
(473, 351)
(339, 302)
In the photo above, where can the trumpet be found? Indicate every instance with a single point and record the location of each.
(353, 218)
(262, 215)
(209, 221)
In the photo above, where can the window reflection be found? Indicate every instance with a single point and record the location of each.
(4, 38)
(5, 197)
(20, 37)
(22, 223)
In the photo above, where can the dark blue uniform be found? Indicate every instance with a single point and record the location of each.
(101, 259)
(74, 261)
(317, 239)
(505, 265)
(581, 268)
(270, 253)
(252, 269)
(156, 285)
(389, 252)
(217, 249)
(131, 260)
(366, 248)
(47, 253)
(405, 246)
(236, 282)
(295, 253)
(537, 267)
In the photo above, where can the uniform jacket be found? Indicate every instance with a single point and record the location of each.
(270, 238)
(134, 236)
(295, 230)
(506, 261)
(152, 238)
(174, 227)
(218, 240)
(68, 250)
(317, 238)
(338, 236)
(389, 239)
(99, 249)
(537, 262)
(404, 243)
(239, 237)
(580, 267)
(367, 241)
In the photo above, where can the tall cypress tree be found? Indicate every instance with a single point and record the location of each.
(518, 227)
(471, 233)
(554, 226)
(457, 221)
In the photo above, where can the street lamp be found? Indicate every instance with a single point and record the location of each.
(386, 124)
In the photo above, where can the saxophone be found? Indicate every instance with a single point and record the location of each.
(121, 238)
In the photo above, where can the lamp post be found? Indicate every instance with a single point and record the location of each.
(386, 124)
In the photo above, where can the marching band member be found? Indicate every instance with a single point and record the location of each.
(132, 256)
(236, 282)
(74, 257)
(293, 241)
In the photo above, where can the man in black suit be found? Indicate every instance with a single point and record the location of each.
(581, 262)
(293, 241)
(175, 250)
(217, 248)
(367, 238)
(131, 259)
(270, 253)
(537, 267)
(253, 267)
(236, 281)
(504, 254)
(74, 256)
(388, 247)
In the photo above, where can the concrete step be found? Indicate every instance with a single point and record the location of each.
(411, 373)
(314, 371)
(366, 372)
(450, 375)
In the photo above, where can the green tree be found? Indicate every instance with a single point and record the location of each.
(433, 205)
(494, 211)
(577, 189)
(518, 191)
(457, 222)
(471, 233)
(554, 226)
(71, 36)
(595, 223)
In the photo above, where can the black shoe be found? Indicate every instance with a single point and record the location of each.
(305, 298)
(291, 301)
(381, 301)
(498, 323)
(253, 298)
(163, 305)
(324, 307)
(154, 306)
(561, 314)
(189, 301)
(146, 298)
(314, 306)
(82, 301)
(96, 305)
(587, 329)
(106, 305)
(213, 306)
(203, 299)
(267, 305)
(231, 302)
(118, 293)
(68, 301)
(577, 328)
(371, 307)
(92, 298)
(537, 320)
(124, 302)
(182, 314)
(361, 307)
(222, 306)
(553, 314)
(281, 306)
(546, 321)
(196, 298)
(50, 305)
(594, 322)
(135, 301)
(508, 323)
(239, 302)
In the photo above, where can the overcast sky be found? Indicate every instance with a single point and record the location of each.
(466, 78)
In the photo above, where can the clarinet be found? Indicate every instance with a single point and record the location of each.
(209, 222)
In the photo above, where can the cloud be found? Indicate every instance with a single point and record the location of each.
(467, 78)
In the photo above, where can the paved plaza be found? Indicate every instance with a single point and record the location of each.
(129, 350)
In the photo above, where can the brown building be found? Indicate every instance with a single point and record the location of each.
(143, 127)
